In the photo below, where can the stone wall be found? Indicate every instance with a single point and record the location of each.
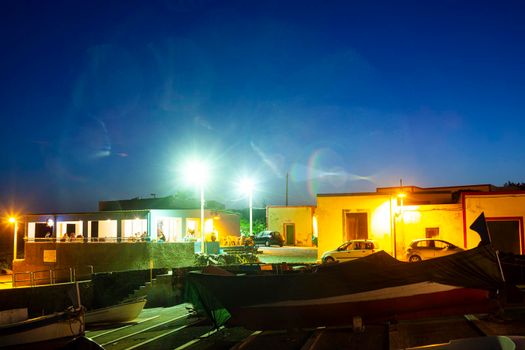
(103, 257)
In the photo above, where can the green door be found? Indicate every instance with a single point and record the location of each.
(289, 230)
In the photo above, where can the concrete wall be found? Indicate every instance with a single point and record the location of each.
(412, 222)
(389, 222)
(45, 300)
(104, 257)
(301, 217)
(330, 217)
(507, 205)
(227, 224)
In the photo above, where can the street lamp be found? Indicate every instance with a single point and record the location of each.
(198, 174)
(247, 187)
(15, 230)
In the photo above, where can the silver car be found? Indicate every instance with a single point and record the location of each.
(350, 250)
(428, 248)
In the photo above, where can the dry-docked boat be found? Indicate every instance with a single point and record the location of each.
(376, 287)
(123, 312)
(59, 327)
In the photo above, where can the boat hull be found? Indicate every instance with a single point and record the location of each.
(443, 303)
(376, 287)
(120, 313)
(65, 326)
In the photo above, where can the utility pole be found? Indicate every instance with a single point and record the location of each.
(287, 189)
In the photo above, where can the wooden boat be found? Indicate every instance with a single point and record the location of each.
(61, 326)
(124, 312)
(376, 287)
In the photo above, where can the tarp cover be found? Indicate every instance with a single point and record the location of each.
(476, 268)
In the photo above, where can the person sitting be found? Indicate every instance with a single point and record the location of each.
(161, 237)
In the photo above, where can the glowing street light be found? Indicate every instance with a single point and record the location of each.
(15, 230)
(197, 173)
(247, 186)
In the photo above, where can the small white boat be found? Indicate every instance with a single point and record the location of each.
(124, 312)
(64, 325)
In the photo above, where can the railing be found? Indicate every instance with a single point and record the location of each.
(97, 240)
(52, 276)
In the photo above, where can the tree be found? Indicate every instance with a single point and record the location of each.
(514, 185)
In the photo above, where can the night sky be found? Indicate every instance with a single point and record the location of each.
(104, 100)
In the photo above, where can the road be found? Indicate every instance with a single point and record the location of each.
(178, 328)
(306, 255)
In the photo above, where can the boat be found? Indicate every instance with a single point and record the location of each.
(123, 312)
(56, 328)
(377, 287)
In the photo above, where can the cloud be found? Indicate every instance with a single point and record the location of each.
(272, 161)
(202, 122)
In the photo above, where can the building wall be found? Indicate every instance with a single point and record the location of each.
(389, 222)
(104, 257)
(330, 216)
(227, 224)
(128, 225)
(507, 205)
(413, 221)
(301, 217)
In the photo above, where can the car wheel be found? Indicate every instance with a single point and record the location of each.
(415, 258)
(329, 260)
(267, 243)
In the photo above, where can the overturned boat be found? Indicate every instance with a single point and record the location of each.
(374, 288)
(125, 311)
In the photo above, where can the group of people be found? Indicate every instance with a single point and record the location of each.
(71, 237)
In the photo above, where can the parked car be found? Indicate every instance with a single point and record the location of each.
(350, 250)
(428, 248)
(268, 238)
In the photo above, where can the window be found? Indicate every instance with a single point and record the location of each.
(431, 232)
(355, 226)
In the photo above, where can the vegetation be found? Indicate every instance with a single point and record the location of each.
(514, 185)
(258, 226)
(225, 259)
(259, 220)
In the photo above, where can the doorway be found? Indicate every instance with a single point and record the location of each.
(505, 235)
(94, 230)
(289, 233)
(355, 226)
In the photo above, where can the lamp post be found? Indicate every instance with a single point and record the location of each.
(247, 187)
(15, 230)
(197, 173)
(201, 187)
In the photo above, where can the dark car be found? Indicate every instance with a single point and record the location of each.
(268, 238)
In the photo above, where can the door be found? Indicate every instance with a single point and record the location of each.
(355, 226)
(289, 233)
(94, 229)
(505, 235)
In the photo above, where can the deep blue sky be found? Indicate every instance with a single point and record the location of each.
(106, 99)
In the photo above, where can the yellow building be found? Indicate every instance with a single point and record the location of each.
(504, 212)
(295, 223)
(394, 216)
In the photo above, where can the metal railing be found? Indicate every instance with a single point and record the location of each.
(95, 240)
(52, 276)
